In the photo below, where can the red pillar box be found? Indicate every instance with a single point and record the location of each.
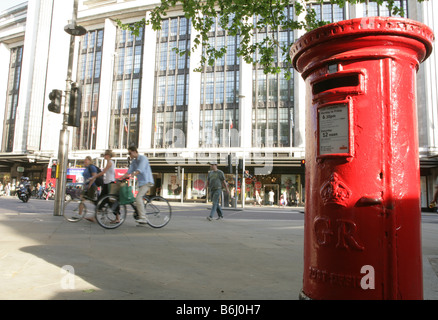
(362, 220)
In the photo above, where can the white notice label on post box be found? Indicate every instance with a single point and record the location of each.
(333, 129)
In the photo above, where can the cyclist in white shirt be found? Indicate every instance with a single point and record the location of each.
(108, 173)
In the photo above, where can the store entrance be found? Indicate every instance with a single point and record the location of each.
(266, 189)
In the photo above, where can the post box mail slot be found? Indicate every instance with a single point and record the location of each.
(348, 80)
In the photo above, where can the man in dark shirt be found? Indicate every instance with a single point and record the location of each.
(215, 181)
(89, 172)
(89, 192)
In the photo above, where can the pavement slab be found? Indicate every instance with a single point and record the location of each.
(243, 257)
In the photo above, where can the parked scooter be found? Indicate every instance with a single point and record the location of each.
(24, 191)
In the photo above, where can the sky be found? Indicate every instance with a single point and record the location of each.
(5, 4)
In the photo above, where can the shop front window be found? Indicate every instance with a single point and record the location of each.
(275, 189)
(192, 186)
(196, 186)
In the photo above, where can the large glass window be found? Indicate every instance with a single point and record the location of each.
(272, 119)
(125, 104)
(328, 12)
(219, 108)
(171, 80)
(12, 98)
(372, 8)
(90, 66)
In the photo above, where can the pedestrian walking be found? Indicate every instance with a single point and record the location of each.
(283, 201)
(433, 204)
(271, 197)
(41, 191)
(233, 196)
(284, 196)
(258, 198)
(215, 181)
(141, 168)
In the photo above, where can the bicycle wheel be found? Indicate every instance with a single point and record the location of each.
(71, 210)
(109, 213)
(158, 212)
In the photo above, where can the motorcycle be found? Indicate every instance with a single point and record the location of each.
(23, 193)
(49, 193)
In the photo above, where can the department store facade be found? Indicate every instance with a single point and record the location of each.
(137, 91)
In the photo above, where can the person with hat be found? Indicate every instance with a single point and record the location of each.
(215, 181)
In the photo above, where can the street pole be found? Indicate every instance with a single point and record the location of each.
(243, 184)
(64, 134)
(236, 182)
(182, 185)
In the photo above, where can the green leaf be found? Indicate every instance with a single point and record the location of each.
(237, 19)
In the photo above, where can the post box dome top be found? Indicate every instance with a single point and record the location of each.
(363, 27)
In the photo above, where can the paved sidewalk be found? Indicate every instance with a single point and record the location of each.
(190, 258)
(46, 257)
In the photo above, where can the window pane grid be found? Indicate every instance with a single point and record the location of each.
(171, 79)
(12, 98)
(219, 91)
(272, 120)
(89, 72)
(125, 105)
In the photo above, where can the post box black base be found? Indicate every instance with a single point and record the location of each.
(303, 296)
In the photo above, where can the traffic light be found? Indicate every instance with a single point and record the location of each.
(303, 164)
(53, 173)
(74, 112)
(240, 167)
(55, 101)
(230, 164)
(178, 172)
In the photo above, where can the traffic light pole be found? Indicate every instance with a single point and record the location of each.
(61, 180)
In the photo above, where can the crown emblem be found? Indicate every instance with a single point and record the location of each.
(335, 191)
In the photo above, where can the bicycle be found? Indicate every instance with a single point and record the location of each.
(110, 214)
(72, 208)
